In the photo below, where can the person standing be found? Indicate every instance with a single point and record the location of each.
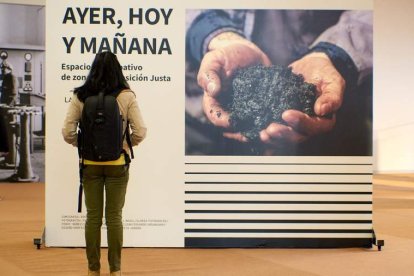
(109, 177)
(8, 96)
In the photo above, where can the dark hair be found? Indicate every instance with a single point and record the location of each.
(105, 75)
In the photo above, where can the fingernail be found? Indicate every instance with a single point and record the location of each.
(325, 108)
(211, 87)
(288, 118)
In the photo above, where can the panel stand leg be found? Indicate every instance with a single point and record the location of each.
(377, 243)
(39, 241)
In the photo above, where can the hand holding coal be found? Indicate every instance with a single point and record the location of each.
(261, 94)
(275, 119)
(227, 53)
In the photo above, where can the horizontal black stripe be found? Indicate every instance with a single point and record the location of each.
(274, 212)
(322, 231)
(278, 193)
(279, 173)
(278, 242)
(299, 164)
(272, 202)
(282, 183)
(275, 221)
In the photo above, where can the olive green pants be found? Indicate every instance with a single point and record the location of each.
(113, 180)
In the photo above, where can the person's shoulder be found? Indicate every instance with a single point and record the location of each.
(75, 99)
(127, 93)
(126, 96)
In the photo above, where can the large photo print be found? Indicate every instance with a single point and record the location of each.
(278, 82)
(22, 93)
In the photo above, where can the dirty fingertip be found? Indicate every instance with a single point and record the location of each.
(211, 88)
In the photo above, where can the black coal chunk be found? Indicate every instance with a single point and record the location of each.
(261, 94)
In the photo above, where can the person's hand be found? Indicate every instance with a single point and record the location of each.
(227, 52)
(316, 68)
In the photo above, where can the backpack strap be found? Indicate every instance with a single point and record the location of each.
(81, 166)
(127, 135)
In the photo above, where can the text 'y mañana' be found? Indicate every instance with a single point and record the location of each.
(121, 45)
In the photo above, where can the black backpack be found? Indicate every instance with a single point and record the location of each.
(100, 135)
(101, 129)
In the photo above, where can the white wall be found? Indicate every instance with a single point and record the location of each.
(25, 2)
(393, 88)
(21, 25)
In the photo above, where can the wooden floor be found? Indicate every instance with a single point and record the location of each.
(22, 219)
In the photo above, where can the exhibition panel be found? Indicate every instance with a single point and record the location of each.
(259, 119)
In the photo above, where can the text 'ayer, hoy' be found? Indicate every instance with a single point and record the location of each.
(100, 15)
